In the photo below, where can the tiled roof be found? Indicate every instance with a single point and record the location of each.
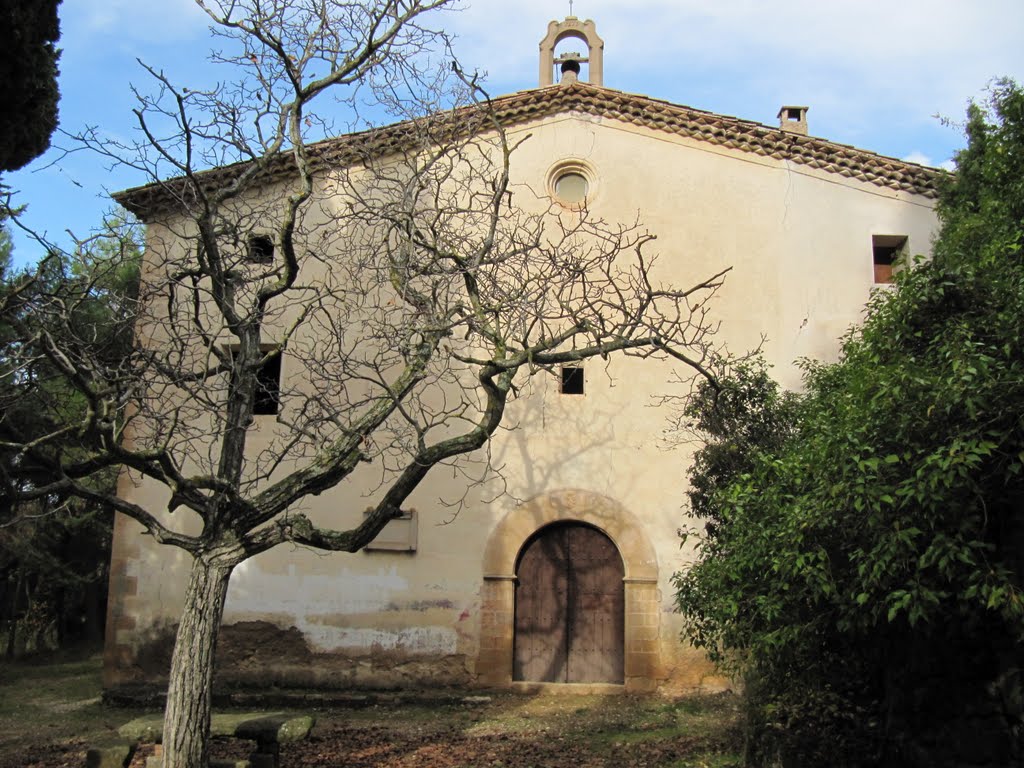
(730, 132)
(526, 106)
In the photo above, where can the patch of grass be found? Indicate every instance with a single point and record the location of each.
(709, 760)
(53, 703)
(34, 687)
(702, 704)
(50, 712)
(638, 737)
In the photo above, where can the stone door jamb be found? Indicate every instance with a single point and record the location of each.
(642, 599)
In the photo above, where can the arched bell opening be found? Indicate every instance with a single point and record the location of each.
(586, 64)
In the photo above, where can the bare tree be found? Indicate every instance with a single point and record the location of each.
(389, 271)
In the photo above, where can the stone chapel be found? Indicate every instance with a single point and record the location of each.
(565, 577)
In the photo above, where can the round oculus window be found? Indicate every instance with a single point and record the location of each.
(571, 187)
(572, 183)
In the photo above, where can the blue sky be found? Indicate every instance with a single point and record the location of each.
(875, 73)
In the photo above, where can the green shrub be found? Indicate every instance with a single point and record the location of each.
(863, 562)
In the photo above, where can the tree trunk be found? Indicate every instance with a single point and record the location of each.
(11, 637)
(92, 604)
(12, 618)
(187, 717)
(60, 616)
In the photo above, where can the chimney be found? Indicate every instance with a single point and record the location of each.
(793, 119)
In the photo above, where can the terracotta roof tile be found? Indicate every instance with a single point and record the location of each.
(538, 103)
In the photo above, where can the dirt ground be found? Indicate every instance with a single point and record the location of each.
(50, 713)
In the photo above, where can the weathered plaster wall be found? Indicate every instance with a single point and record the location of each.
(799, 244)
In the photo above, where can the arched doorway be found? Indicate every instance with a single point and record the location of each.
(569, 607)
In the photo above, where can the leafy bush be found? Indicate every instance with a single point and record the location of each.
(55, 549)
(864, 568)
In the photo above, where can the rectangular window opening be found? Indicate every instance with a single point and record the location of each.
(572, 380)
(268, 388)
(399, 535)
(886, 251)
(260, 250)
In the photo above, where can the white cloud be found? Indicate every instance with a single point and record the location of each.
(920, 158)
(875, 73)
(846, 54)
(916, 53)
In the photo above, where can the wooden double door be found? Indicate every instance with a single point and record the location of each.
(569, 625)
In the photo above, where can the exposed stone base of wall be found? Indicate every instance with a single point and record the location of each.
(154, 696)
(257, 654)
(686, 670)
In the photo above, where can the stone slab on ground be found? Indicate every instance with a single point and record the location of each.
(113, 754)
(263, 727)
(268, 729)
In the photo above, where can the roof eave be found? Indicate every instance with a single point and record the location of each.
(536, 103)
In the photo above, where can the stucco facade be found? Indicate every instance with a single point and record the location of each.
(792, 216)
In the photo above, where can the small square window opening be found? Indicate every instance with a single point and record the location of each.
(572, 380)
(399, 535)
(886, 251)
(268, 388)
(260, 250)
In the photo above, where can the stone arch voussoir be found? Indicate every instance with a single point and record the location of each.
(640, 565)
(617, 522)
